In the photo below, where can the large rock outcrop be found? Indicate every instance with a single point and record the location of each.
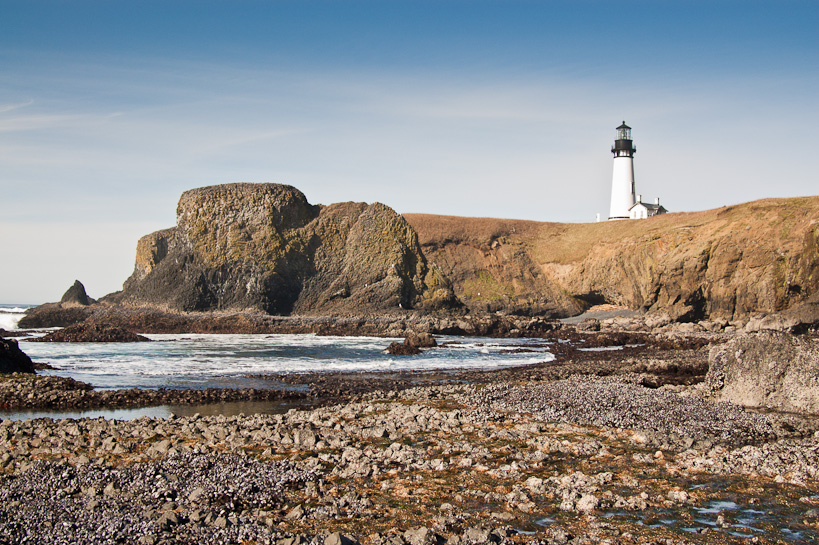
(265, 247)
(770, 370)
(74, 306)
(728, 263)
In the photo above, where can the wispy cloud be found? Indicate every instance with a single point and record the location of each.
(9, 107)
(38, 122)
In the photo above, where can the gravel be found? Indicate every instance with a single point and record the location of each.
(670, 420)
(452, 464)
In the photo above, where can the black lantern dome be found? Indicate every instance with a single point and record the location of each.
(623, 146)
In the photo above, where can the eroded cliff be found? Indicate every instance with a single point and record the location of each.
(265, 247)
(726, 263)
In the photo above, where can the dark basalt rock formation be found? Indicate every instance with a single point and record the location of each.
(92, 333)
(74, 307)
(377, 324)
(12, 359)
(53, 315)
(75, 295)
(264, 247)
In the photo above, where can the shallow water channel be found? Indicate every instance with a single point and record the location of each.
(731, 510)
(163, 411)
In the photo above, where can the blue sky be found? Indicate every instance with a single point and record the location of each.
(109, 110)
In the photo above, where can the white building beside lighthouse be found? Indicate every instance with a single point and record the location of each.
(642, 210)
(624, 205)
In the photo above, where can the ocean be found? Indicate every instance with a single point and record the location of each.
(241, 361)
(238, 361)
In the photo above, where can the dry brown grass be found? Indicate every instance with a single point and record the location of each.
(437, 230)
(771, 220)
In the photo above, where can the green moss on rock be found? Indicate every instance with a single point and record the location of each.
(265, 247)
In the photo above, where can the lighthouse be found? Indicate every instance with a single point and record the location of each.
(622, 179)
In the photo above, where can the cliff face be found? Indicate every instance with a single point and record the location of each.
(492, 266)
(725, 263)
(264, 247)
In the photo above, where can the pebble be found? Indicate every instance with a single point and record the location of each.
(268, 478)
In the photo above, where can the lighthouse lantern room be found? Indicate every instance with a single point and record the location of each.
(622, 180)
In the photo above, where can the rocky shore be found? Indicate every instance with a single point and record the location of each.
(22, 392)
(597, 447)
(435, 464)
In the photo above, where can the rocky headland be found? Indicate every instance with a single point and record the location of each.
(727, 264)
(681, 406)
(241, 253)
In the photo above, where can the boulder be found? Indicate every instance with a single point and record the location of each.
(589, 324)
(12, 359)
(657, 319)
(412, 344)
(799, 318)
(421, 536)
(420, 340)
(337, 538)
(402, 349)
(769, 369)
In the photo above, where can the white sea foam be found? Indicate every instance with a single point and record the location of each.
(197, 360)
(10, 315)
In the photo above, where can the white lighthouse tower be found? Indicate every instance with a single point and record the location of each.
(622, 179)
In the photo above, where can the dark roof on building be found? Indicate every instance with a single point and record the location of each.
(650, 206)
